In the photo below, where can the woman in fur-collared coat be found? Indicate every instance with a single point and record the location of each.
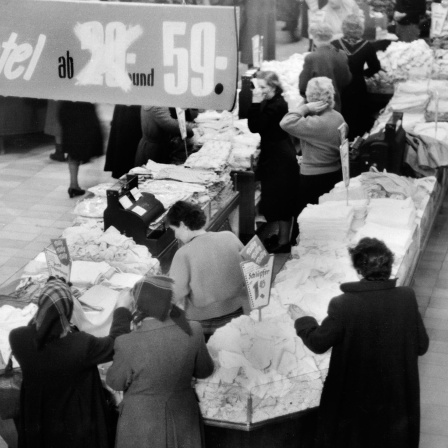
(371, 396)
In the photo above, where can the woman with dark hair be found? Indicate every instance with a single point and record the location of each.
(62, 402)
(371, 396)
(354, 96)
(208, 282)
(277, 169)
(154, 366)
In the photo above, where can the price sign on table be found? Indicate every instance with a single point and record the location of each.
(258, 282)
(119, 53)
(58, 259)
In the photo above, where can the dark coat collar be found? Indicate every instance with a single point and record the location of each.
(366, 285)
(154, 324)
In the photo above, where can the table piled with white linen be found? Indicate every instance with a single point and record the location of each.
(263, 370)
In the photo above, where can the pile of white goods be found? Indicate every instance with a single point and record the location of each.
(263, 370)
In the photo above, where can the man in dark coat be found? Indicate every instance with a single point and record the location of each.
(325, 61)
(371, 397)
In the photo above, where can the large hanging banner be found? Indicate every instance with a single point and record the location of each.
(119, 53)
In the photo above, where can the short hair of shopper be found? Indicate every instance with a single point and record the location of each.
(321, 33)
(272, 80)
(372, 259)
(320, 89)
(352, 27)
(190, 214)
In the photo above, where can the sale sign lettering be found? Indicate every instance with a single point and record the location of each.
(120, 53)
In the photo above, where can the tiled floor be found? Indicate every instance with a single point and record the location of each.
(34, 207)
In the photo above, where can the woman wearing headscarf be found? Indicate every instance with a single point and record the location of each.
(354, 96)
(371, 396)
(154, 366)
(62, 402)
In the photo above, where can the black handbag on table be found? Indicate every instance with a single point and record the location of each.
(10, 385)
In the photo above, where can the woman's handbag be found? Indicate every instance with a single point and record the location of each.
(10, 385)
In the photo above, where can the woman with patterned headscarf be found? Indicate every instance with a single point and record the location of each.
(354, 96)
(62, 403)
(154, 366)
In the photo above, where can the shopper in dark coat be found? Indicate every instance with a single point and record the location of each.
(371, 397)
(154, 366)
(159, 126)
(82, 138)
(124, 137)
(354, 97)
(325, 61)
(278, 169)
(62, 402)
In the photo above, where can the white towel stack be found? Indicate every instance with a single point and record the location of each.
(328, 221)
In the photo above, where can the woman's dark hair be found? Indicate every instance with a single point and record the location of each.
(372, 259)
(272, 80)
(191, 215)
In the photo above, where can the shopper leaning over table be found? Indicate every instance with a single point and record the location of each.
(208, 282)
(62, 402)
(154, 366)
(371, 396)
(277, 170)
(159, 126)
(327, 61)
(316, 124)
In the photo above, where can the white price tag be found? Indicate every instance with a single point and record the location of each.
(125, 202)
(136, 193)
(139, 210)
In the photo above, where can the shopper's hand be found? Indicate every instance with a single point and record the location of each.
(316, 107)
(257, 96)
(399, 15)
(125, 299)
(296, 312)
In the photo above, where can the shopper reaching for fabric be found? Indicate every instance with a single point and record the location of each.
(208, 282)
(62, 401)
(154, 366)
(371, 396)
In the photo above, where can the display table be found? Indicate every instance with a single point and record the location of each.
(292, 431)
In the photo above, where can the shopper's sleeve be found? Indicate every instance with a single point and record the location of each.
(373, 63)
(100, 350)
(299, 126)
(259, 119)
(345, 75)
(305, 75)
(164, 119)
(204, 365)
(320, 338)
(119, 374)
(180, 273)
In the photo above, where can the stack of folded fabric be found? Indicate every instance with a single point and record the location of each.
(214, 156)
(327, 221)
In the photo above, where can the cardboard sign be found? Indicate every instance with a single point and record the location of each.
(55, 267)
(258, 282)
(345, 162)
(255, 251)
(438, 17)
(182, 122)
(119, 53)
(61, 249)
